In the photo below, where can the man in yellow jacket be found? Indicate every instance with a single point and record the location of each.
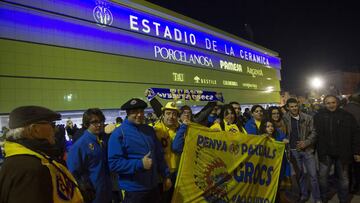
(165, 129)
(31, 172)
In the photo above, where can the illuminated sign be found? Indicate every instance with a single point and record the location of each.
(178, 77)
(124, 18)
(184, 94)
(230, 83)
(250, 85)
(182, 56)
(227, 65)
(45, 29)
(254, 72)
(207, 81)
(102, 14)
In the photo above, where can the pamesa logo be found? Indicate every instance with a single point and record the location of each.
(102, 14)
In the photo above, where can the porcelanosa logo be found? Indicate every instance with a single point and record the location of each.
(102, 14)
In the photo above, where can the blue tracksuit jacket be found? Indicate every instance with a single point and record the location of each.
(128, 144)
(87, 158)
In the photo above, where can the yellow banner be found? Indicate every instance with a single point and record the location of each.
(228, 167)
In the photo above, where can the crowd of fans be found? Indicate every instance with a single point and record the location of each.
(137, 159)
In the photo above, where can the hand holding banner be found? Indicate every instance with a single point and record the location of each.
(228, 167)
(178, 94)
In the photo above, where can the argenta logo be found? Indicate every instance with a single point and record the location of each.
(102, 14)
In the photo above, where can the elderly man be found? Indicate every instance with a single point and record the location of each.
(30, 172)
(338, 144)
(137, 156)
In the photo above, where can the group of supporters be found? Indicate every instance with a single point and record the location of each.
(142, 159)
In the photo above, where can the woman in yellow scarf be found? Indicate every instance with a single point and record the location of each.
(227, 121)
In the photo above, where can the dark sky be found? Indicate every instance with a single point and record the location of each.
(311, 37)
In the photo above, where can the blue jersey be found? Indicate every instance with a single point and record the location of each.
(251, 127)
(88, 158)
(128, 144)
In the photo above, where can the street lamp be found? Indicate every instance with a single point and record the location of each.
(316, 82)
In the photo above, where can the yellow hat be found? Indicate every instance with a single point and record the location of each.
(170, 106)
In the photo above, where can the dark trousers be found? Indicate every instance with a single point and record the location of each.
(151, 196)
(354, 176)
(166, 196)
(116, 197)
(341, 171)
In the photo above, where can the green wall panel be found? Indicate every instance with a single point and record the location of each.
(33, 60)
(76, 95)
(70, 79)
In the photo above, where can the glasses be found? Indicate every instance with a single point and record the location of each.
(258, 111)
(96, 122)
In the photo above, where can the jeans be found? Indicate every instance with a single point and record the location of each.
(308, 159)
(342, 174)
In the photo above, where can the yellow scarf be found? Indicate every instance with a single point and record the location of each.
(228, 127)
(64, 191)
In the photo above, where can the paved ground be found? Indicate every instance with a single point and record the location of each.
(293, 194)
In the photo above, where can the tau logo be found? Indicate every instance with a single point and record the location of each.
(102, 15)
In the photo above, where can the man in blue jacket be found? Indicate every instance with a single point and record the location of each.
(137, 156)
(87, 159)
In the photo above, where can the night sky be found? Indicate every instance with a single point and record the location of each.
(311, 37)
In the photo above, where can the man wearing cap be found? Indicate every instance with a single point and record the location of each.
(87, 158)
(165, 129)
(31, 172)
(137, 156)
